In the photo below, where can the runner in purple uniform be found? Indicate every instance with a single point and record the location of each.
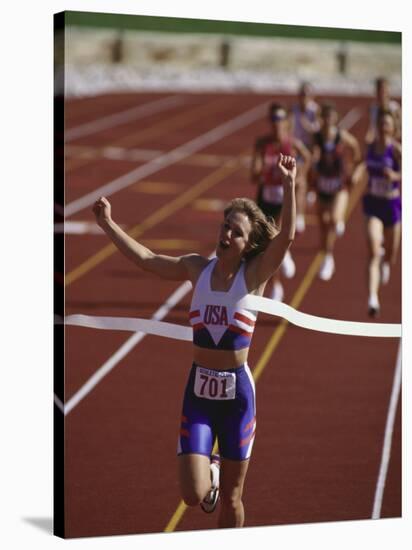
(219, 401)
(382, 205)
(305, 122)
(383, 102)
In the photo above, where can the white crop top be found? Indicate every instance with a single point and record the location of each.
(217, 321)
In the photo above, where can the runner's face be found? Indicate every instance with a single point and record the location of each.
(279, 122)
(386, 126)
(330, 118)
(382, 93)
(304, 95)
(234, 235)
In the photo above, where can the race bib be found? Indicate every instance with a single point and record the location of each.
(380, 187)
(329, 185)
(216, 385)
(273, 194)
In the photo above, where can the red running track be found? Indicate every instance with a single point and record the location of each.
(322, 399)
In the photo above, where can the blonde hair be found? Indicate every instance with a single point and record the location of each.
(263, 229)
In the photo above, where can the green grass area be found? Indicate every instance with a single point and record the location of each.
(172, 24)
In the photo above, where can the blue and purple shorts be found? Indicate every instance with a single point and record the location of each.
(387, 210)
(218, 405)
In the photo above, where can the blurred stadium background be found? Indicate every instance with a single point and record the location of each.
(106, 53)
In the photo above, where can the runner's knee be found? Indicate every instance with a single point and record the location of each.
(195, 488)
(375, 249)
(231, 499)
(192, 495)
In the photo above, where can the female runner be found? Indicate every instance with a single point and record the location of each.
(382, 205)
(266, 174)
(331, 177)
(219, 400)
(305, 123)
(383, 102)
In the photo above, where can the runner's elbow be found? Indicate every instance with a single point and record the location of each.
(146, 260)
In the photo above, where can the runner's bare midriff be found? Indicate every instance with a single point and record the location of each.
(220, 359)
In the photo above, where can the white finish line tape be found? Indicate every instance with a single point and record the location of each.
(148, 326)
(322, 324)
(254, 303)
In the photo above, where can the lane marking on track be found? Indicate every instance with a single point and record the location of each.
(78, 228)
(171, 244)
(176, 517)
(168, 159)
(158, 130)
(387, 442)
(111, 152)
(120, 153)
(158, 187)
(91, 228)
(350, 118)
(209, 205)
(130, 115)
(58, 402)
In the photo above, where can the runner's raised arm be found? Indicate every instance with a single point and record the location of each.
(176, 268)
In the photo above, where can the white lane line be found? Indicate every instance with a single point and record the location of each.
(126, 348)
(58, 402)
(177, 154)
(78, 228)
(135, 113)
(387, 443)
(350, 119)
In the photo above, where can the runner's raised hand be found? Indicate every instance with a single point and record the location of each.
(102, 210)
(287, 167)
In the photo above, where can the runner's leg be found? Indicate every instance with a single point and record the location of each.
(301, 190)
(375, 234)
(232, 478)
(194, 477)
(324, 224)
(392, 237)
(340, 206)
(195, 443)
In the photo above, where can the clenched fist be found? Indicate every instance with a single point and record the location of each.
(287, 167)
(103, 211)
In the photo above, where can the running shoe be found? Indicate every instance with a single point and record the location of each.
(277, 292)
(288, 266)
(311, 197)
(300, 223)
(340, 228)
(373, 306)
(385, 273)
(209, 503)
(327, 268)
